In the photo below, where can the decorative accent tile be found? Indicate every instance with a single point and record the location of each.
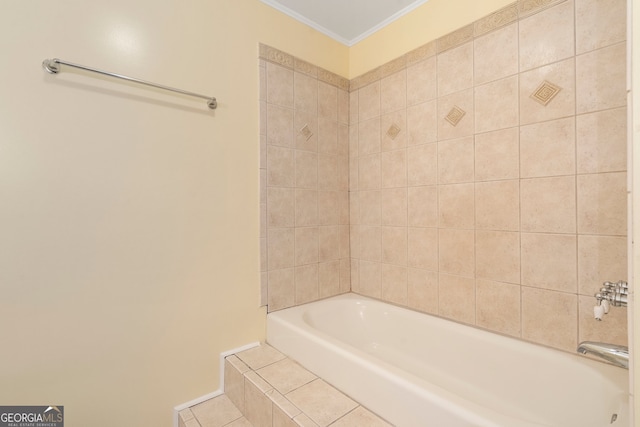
(276, 56)
(393, 66)
(393, 131)
(455, 38)
(365, 79)
(305, 67)
(306, 132)
(497, 19)
(333, 79)
(423, 52)
(455, 115)
(529, 7)
(545, 92)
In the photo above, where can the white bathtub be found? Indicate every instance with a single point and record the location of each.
(419, 370)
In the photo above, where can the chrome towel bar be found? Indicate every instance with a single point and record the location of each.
(53, 66)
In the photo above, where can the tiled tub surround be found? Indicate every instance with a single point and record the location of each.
(304, 181)
(415, 369)
(486, 173)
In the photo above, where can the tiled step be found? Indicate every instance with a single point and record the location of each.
(216, 412)
(271, 390)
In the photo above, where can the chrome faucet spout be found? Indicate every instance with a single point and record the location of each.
(616, 354)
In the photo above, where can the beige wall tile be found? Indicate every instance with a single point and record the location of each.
(602, 203)
(369, 172)
(456, 252)
(549, 261)
(306, 245)
(280, 419)
(496, 105)
(279, 126)
(370, 243)
(343, 107)
(549, 318)
(345, 275)
(421, 81)
(547, 36)
(548, 204)
(327, 101)
(422, 206)
(343, 241)
(306, 169)
(305, 92)
(329, 278)
(422, 123)
(422, 164)
(370, 207)
(370, 279)
(498, 307)
(259, 357)
(306, 283)
(393, 92)
(327, 135)
(393, 130)
(455, 69)
(393, 169)
(369, 101)
(263, 118)
(393, 203)
(498, 256)
(394, 245)
(343, 172)
(561, 74)
(369, 136)
(354, 107)
(328, 207)
(601, 79)
(600, 259)
(279, 85)
(422, 251)
(497, 155)
(280, 207)
(422, 290)
(328, 243)
(612, 329)
(457, 298)
(456, 161)
(456, 206)
(354, 173)
(327, 171)
(281, 289)
(354, 151)
(462, 101)
(491, 63)
(355, 275)
(306, 207)
(394, 283)
(280, 245)
(305, 130)
(497, 205)
(602, 141)
(599, 23)
(548, 148)
(280, 167)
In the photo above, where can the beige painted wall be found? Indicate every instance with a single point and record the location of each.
(431, 20)
(129, 220)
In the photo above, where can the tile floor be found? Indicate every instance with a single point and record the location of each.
(264, 388)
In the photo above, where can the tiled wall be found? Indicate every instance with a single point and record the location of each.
(304, 181)
(487, 174)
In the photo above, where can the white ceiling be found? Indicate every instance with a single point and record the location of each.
(347, 21)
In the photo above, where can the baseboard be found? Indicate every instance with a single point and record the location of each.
(213, 394)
